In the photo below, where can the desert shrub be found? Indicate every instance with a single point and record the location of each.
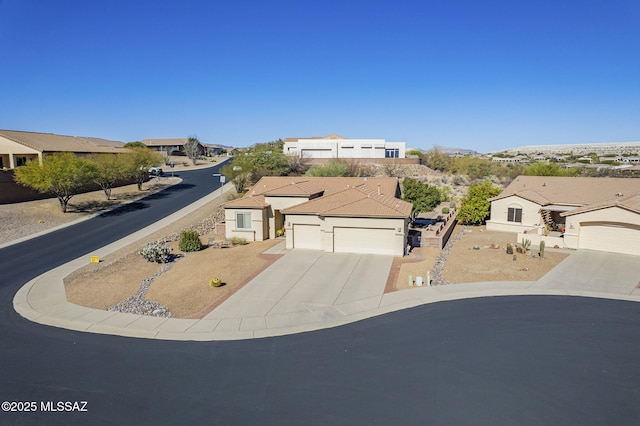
(190, 241)
(509, 249)
(156, 251)
(445, 210)
(215, 282)
(239, 241)
(279, 232)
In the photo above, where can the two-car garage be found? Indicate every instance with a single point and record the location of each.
(364, 240)
(610, 236)
(348, 239)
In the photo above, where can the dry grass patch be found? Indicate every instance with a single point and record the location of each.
(184, 289)
(465, 265)
(105, 285)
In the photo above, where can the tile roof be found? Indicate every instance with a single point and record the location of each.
(361, 201)
(340, 196)
(249, 202)
(162, 142)
(631, 203)
(571, 191)
(49, 142)
(284, 185)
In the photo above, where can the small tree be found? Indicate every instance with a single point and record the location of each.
(193, 148)
(110, 168)
(61, 174)
(138, 161)
(475, 205)
(423, 196)
(298, 165)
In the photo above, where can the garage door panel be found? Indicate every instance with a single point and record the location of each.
(364, 240)
(307, 236)
(615, 238)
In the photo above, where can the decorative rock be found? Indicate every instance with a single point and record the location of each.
(137, 304)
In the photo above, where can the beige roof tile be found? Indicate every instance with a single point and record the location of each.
(358, 202)
(573, 191)
(49, 142)
(272, 185)
(250, 202)
(629, 203)
(163, 142)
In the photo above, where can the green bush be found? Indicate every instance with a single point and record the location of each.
(190, 241)
(156, 252)
(238, 241)
(445, 210)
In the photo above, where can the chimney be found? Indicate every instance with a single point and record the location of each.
(379, 193)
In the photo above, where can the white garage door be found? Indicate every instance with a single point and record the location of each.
(306, 236)
(365, 240)
(617, 238)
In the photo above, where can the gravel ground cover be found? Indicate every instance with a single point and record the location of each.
(125, 282)
(459, 262)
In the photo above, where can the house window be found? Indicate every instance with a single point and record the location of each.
(20, 161)
(392, 152)
(514, 214)
(243, 220)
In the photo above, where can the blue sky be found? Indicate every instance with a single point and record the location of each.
(484, 75)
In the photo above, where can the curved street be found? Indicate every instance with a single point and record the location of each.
(499, 360)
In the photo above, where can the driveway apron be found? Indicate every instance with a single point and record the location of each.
(596, 271)
(310, 283)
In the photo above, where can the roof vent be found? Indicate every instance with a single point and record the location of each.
(619, 194)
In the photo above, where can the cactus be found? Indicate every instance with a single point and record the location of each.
(509, 248)
(526, 244)
(542, 244)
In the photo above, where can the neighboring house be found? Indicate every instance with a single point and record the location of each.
(173, 146)
(574, 212)
(334, 214)
(18, 147)
(335, 146)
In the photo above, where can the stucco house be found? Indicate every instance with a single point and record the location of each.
(334, 214)
(18, 147)
(336, 146)
(173, 146)
(573, 212)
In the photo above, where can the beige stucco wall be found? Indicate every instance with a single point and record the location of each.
(611, 214)
(277, 204)
(10, 149)
(328, 224)
(259, 224)
(531, 217)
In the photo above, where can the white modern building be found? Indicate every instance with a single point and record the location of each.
(335, 146)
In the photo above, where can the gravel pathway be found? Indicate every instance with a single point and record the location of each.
(137, 304)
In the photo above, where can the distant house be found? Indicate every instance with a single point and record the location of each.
(18, 147)
(335, 146)
(174, 146)
(355, 215)
(573, 212)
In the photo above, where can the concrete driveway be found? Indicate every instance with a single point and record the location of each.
(307, 286)
(595, 271)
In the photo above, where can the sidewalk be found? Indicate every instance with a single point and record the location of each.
(254, 315)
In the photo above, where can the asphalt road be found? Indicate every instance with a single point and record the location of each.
(504, 360)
